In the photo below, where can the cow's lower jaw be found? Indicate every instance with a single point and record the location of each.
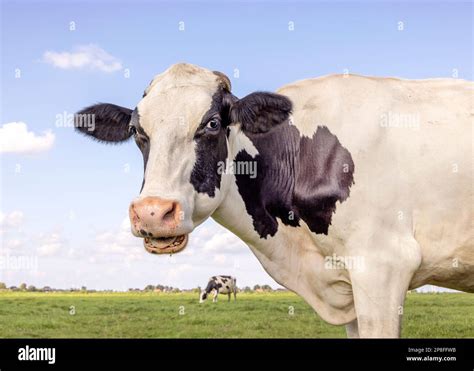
(165, 245)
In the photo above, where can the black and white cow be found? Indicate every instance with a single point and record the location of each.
(349, 190)
(219, 285)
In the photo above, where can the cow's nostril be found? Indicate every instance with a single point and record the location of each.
(152, 213)
(143, 232)
(169, 214)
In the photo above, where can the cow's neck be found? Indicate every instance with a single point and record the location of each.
(290, 257)
(244, 208)
(287, 248)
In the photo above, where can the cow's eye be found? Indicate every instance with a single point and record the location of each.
(132, 130)
(213, 125)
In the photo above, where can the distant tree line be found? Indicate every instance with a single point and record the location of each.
(147, 288)
(32, 288)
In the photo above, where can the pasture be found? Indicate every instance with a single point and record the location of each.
(179, 315)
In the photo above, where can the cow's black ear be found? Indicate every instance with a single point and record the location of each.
(259, 112)
(105, 122)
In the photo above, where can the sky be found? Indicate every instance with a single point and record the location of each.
(64, 198)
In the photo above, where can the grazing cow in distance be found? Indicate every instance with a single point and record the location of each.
(220, 285)
(349, 190)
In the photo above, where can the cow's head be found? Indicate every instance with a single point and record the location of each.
(182, 127)
(203, 296)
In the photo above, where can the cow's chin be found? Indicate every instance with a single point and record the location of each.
(166, 245)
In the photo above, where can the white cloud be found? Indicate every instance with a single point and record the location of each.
(175, 272)
(15, 138)
(119, 243)
(14, 244)
(220, 259)
(222, 242)
(83, 57)
(13, 219)
(10, 229)
(51, 244)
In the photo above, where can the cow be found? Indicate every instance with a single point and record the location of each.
(220, 285)
(349, 190)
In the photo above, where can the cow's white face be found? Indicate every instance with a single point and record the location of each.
(181, 131)
(181, 126)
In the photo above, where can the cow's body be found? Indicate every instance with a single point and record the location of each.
(363, 186)
(409, 213)
(226, 285)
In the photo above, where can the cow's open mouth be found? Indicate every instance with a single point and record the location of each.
(165, 245)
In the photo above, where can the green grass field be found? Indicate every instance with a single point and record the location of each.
(179, 315)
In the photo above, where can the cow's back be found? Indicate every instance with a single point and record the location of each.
(411, 143)
(226, 284)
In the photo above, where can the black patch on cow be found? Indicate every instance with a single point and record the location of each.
(104, 122)
(297, 178)
(325, 176)
(211, 147)
(257, 113)
(269, 195)
(141, 139)
(211, 285)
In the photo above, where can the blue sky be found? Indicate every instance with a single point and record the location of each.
(64, 201)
